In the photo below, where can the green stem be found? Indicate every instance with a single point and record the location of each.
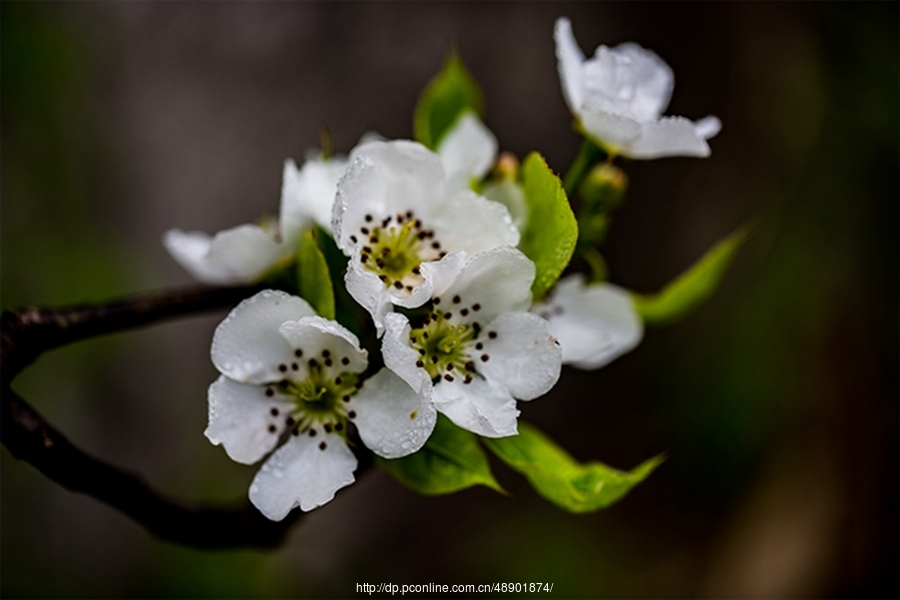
(588, 155)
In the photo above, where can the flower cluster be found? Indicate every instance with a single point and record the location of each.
(451, 269)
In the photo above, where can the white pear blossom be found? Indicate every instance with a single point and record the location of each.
(619, 96)
(479, 349)
(408, 220)
(287, 374)
(244, 254)
(594, 323)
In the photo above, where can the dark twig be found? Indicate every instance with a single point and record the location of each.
(28, 332)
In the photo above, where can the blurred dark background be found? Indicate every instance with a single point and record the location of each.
(777, 402)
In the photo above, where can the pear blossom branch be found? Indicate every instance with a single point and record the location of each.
(27, 333)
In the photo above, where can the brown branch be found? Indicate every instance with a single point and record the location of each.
(27, 333)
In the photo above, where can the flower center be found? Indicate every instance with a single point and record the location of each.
(395, 249)
(444, 348)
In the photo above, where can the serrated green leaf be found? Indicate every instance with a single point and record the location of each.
(560, 478)
(451, 93)
(450, 461)
(691, 289)
(550, 236)
(313, 278)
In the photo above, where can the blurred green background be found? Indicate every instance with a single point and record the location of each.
(777, 402)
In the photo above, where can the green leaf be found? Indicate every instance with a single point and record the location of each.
(451, 93)
(691, 289)
(314, 281)
(560, 478)
(551, 233)
(450, 461)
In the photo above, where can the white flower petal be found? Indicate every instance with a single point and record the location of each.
(481, 407)
(247, 346)
(594, 323)
(302, 473)
(307, 195)
(498, 281)
(524, 355)
(708, 127)
(472, 223)
(240, 417)
(235, 256)
(368, 290)
(639, 80)
(399, 356)
(570, 59)
(510, 194)
(468, 148)
(612, 131)
(386, 178)
(438, 275)
(314, 335)
(670, 136)
(393, 420)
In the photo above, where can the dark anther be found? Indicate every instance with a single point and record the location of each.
(312, 432)
(289, 421)
(476, 307)
(427, 321)
(328, 362)
(385, 251)
(416, 271)
(353, 238)
(409, 214)
(272, 429)
(345, 361)
(425, 335)
(270, 392)
(380, 263)
(449, 366)
(364, 258)
(434, 358)
(421, 235)
(282, 368)
(464, 312)
(448, 377)
(338, 426)
(420, 364)
(367, 250)
(327, 427)
(418, 223)
(273, 411)
(484, 357)
(385, 221)
(313, 362)
(422, 351)
(468, 379)
(399, 218)
(398, 285)
(479, 346)
(338, 381)
(374, 239)
(409, 288)
(364, 230)
(436, 301)
(382, 277)
(492, 335)
(351, 414)
(322, 446)
(435, 245)
(447, 315)
(326, 353)
(346, 398)
(456, 299)
(368, 218)
(294, 366)
(298, 352)
(470, 366)
(295, 432)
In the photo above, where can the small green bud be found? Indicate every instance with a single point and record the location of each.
(603, 189)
